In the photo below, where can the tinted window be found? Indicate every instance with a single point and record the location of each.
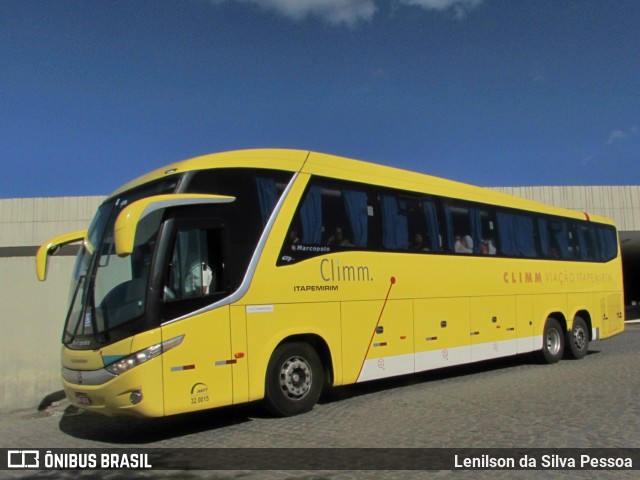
(257, 192)
(517, 234)
(471, 229)
(607, 240)
(459, 231)
(423, 224)
(196, 268)
(336, 216)
(410, 223)
(332, 216)
(395, 222)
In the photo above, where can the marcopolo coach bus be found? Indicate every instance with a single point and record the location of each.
(272, 274)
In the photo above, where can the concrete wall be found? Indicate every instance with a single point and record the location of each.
(32, 313)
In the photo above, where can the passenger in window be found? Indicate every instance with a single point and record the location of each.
(418, 244)
(293, 237)
(488, 247)
(464, 244)
(338, 239)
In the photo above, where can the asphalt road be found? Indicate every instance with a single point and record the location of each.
(514, 402)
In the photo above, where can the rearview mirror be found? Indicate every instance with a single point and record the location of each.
(50, 247)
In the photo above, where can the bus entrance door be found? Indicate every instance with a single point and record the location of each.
(197, 373)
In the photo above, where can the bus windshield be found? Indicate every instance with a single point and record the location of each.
(108, 291)
(206, 255)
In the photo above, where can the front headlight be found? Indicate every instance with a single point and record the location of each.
(138, 358)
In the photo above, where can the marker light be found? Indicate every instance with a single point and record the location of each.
(135, 359)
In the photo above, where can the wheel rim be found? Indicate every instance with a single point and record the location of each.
(553, 341)
(579, 337)
(295, 378)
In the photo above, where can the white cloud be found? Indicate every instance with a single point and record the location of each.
(335, 12)
(615, 136)
(459, 7)
(350, 12)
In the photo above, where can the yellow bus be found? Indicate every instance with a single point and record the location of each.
(272, 274)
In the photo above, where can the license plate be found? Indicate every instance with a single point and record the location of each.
(83, 399)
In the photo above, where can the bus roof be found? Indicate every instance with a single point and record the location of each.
(314, 163)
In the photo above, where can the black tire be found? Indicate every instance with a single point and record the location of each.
(294, 379)
(577, 339)
(552, 342)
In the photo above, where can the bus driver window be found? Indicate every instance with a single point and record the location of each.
(190, 273)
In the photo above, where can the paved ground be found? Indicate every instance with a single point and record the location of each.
(591, 403)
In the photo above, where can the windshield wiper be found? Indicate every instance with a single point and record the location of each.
(68, 336)
(99, 337)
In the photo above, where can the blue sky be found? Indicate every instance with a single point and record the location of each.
(489, 92)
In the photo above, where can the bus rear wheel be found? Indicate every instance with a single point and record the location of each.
(577, 339)
(294, 379)
(552, 342)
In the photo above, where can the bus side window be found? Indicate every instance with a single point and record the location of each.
(574, 246)
(196, 266)
(332, 216)
(486, 221)
(422, 220)
(395, 227)
(460, 239)
(433, 225)
(587, 243)
(517, 235)
(310, 217)
(607, 243)
(337, 229)
(558, 239)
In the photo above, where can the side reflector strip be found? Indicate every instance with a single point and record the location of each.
(381, 344)
(220, 363)
(428, 339)
(184, 367)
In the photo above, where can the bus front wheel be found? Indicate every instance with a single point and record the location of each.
(578, 339)
(552, 342)
(294, 379)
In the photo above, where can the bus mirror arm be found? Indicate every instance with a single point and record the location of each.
(131, 215)
(52, 246)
